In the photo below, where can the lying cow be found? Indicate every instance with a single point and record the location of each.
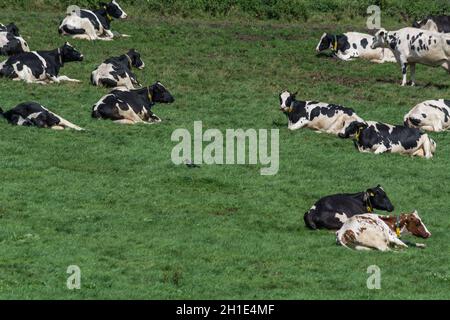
(132, 106)
(434, 23)
(370, 231)
(11, 42)
(33, 114)
(40, 66)
(324, 117)
(116, 71)
(379, 138)
(92, 24)
(431, 115)
(352, 45)
(332, 211)
(411, 46)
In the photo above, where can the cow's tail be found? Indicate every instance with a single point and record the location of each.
(309, 221)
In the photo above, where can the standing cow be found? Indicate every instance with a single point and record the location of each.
(324, 117)
(411, 46)
(431, 115)
(353, 45)
(92, 24)
(434, 23)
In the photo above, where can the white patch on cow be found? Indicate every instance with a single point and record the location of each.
(416, 215)
(341, 217)
(284, 96)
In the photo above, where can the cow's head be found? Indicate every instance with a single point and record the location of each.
(414, 225)
(286, 100)
(13, 29)
(380, 39)
(69, 53)
(114, 10)
(160, 94)
(325, 43)
(135, 58)
(378, 199)
(353, 130)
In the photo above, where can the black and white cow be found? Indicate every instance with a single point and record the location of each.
(411, 46)
(431, 115)
(40, 66)
(11, 42)
(434, 23)
(332, 211)
(92, 24)
(352, 45)
(132, 106)
(34, 114)
(116, 71)
(377, 137)
(323, 117)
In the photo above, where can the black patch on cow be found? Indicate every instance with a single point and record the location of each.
(355, 46)
(364, 43)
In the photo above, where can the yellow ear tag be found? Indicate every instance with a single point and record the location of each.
(398, 232)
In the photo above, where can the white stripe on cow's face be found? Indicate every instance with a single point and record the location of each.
(320, 42)
(284, 97)
(416, 214)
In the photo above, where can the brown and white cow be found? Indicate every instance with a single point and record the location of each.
(373, 232)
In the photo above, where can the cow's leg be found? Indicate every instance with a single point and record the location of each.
(125, 121)
(59, 128)
(64, 78)
(300, 124)
(404, 73)
(361, 248)
(413, 74)
(381, 149)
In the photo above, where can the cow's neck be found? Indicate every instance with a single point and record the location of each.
(55, 56)
(104, 17)
(126, 60)
(364, 198)
(147, 94)
(396, 223)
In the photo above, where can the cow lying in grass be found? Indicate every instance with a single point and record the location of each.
(11, 42)
(431, 115)
(330, 212)
(434, 23)
(132, 106)
(370, 231)
(34, 114)
(353, 45)
(323, 117)
(379, 138)
(40, 66)
(92, 24)
(411, 46)
(116, 71)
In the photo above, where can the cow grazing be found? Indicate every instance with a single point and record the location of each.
(411, 46)
(116, 71)
(33, 114)
(324, 117)
(40, 66)
(11, 42)
(92, 24)
(332, 211)
(379, 138)
(370, 231)
(132, 106)
(353, 45)
(434, 23)
(431, 115)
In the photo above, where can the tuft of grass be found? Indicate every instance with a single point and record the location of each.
(110, 201)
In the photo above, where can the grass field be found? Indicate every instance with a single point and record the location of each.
(110, 200)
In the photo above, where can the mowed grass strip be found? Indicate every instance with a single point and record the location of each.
(110, 200)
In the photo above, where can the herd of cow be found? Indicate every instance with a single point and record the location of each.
(130, 103)
(427, 42)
